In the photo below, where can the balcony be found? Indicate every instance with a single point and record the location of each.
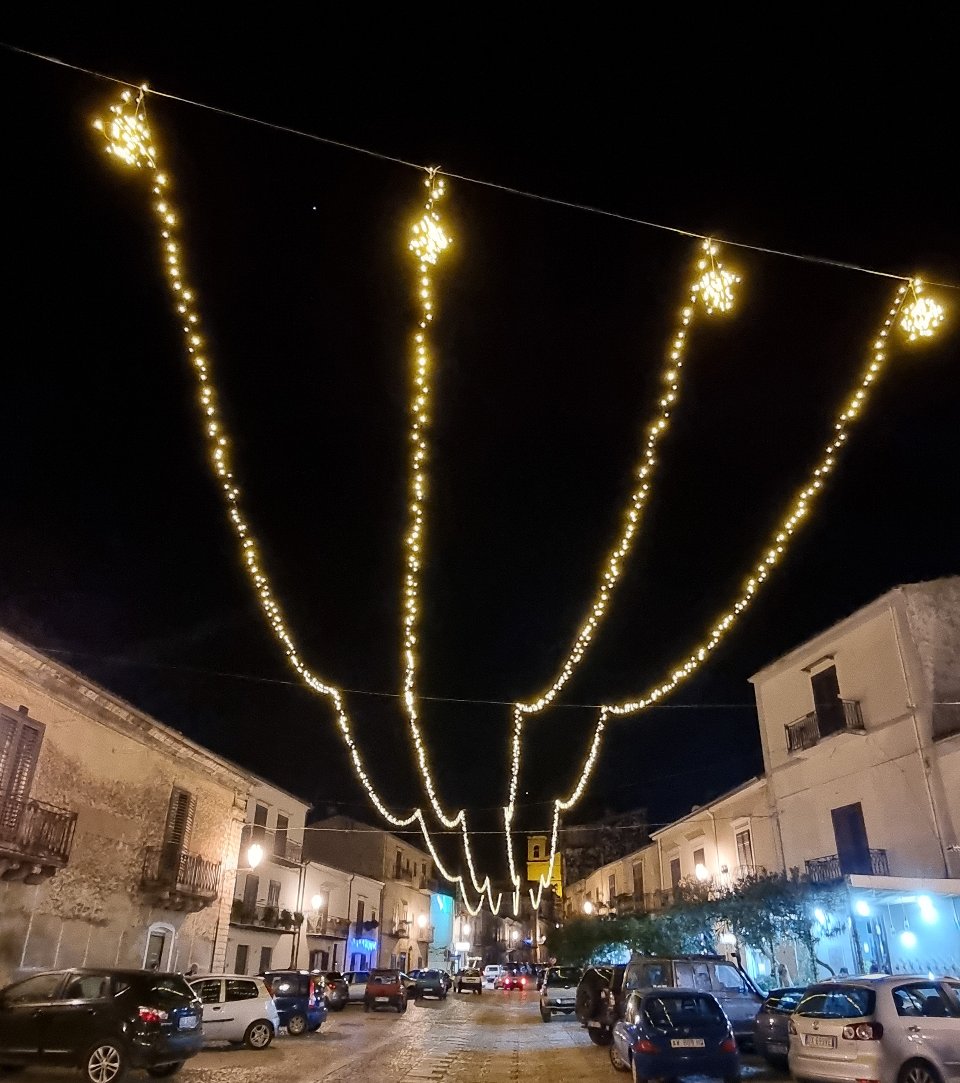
(827, 870)
(338, 928)
(425, 934)
(264, 916)
(35, 839)
(398, 929)
(807, 731)
(748, 872)
(179, 880)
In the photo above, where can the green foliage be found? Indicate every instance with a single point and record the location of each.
(762, 911)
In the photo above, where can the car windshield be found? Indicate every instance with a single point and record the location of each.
(563, 975)
(671, 1010)
(837, 1002)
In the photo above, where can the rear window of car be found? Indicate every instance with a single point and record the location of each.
(670, 1010)
(470, 973)
(837, 1002)
(170, 993)
(384, 977)
(289, 985)
(563, 975)
(238, 989)
(782, 1001)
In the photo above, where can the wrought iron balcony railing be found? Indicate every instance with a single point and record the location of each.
(181, 880)
(829, 869)
(807, 731)
(35, 838)
(264, 916)
(328, 926)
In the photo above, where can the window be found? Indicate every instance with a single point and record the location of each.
(744, 848)
(251, 888)
(20, 739)
(536, 853)
(729, 978)
(87, 987)
(398, 868)
(243, 950)
(280, 836)
(266, 954)
(42, 987)
(826, 701)
(273, 893)
(208, 990)
(319, 959)
(611, 887)
(675, 871)
(699, 858)
(853, 849)
(178, 828)
(638, 879)
(259, 823)
(159, 947)
(359, 911)
(241, 990)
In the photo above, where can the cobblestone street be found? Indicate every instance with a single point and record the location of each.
(494, 1038)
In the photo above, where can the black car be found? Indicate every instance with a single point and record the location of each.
(771, 1028)
(102, 1021)
(336, 992)
(599, 1004)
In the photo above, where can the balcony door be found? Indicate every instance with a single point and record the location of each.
(853, 849)
(176, 834)
(826, 701)
(20, 739)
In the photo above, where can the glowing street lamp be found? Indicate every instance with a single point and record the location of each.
(588, 907)
(254, 855)
(317, 901)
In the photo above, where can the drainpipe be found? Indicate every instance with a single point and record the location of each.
(924, 767)
(346, 946)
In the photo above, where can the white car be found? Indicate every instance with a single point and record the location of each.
(892, 1028)
(469, 980)
(491, 973)
(236, 1009)
(356, 985)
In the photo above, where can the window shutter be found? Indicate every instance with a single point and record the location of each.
(180, 815)
(20, 740)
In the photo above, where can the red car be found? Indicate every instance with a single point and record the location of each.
(514, 980)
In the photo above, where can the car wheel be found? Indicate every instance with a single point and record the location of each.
(600, 1035)
(161, 1071)
(545, 1014)
(258, 1035)
(104, 1062)
(617, 1060)
(918, 1071)
(297, 1024)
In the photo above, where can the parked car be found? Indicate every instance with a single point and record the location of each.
(670, 1033)
(102, 1021)
(599, 1000)
(490, 973)
(469, 980)
(236, 1009)
(299, 1000)
(429, 983)
(336, 992)
(385, 988)
(771, 1027)
(558, 991)
(894, 1028)
(731, 985)
(356, 984)
(409, 983)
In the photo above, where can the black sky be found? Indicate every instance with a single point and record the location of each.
(552, 327)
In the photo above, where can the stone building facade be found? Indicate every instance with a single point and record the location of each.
(118, 836)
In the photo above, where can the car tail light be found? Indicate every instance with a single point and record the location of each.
(863, 1032)
(644, 1045)
(151, 1015)
(523, 982)
(312, 994)
(728, 1045)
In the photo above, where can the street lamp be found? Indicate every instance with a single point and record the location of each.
(588, 907)
(254, 855)
(514, 935)
(422, 920)
(317, 901)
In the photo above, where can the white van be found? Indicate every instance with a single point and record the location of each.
(491, 973)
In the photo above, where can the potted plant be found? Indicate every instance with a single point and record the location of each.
(297, 918)
(286, 918)
(270, 915)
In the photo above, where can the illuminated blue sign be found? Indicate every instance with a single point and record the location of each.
(361, 943)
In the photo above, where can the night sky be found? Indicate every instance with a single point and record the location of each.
(552, 327)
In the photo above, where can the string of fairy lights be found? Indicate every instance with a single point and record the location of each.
(918, 316)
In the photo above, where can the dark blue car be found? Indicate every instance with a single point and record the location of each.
(670, 1033)
(299, 1000)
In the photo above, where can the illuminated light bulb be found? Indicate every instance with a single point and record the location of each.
(254, 855)
(922, 316)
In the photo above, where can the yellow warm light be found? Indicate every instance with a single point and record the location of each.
(128, 139)
(922, 316)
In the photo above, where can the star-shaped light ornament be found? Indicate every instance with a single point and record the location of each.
(428, 239)
(922, 316)
(126, 131)
(715, 285)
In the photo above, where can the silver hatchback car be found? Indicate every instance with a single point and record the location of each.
(558, 991)
(892, 1028)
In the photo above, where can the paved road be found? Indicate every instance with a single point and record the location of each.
(494, 1038)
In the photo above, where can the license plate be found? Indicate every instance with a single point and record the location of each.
(188, 1022)
(686, 1043)
(822, 1041)
(381, 1000)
